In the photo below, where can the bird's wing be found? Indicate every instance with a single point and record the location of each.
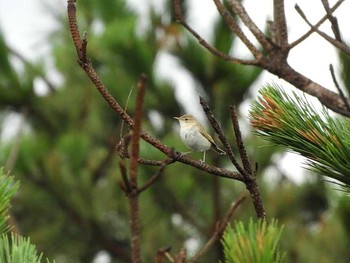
(207, 136)
(215, 146)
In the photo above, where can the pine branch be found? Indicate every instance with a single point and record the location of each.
(293, 122)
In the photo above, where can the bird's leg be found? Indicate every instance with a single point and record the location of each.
(203, 157)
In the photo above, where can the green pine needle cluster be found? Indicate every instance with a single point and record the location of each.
(7, 190)
(293, 122)
(13, 248)
(17, 249)
(257, 243)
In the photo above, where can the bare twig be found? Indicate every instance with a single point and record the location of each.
(126, 184)
(233, 25)
(247, 171)
(317, 25)
(250, 178)
(73, 26)
(134, 193)
(333, 20)
(136, 131)
(219, 230)
(334, 42)
(280, 22)
(340, 91)
(155, 176)
(180, 19)
(239, 142)
(221, 135)
(239, 10)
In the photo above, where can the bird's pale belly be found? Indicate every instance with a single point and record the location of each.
(195, 141)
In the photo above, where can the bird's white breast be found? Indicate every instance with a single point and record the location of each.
(194, 139)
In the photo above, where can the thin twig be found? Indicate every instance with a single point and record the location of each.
(133, 195)
(126, 184)
(221, 135)
(122, 152)
(219, 230)
(334, 42)
(340, 91)
(239, 10)
(83, 48)
(136, 131)
(316, 26)
(333, 20)
(155, 176)
(239, 142)
(280, 22)
(180, 19)
(73, 26)
(125, 109)
(250, 174)
(233, 25)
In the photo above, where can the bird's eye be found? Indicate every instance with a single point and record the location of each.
(186, 119)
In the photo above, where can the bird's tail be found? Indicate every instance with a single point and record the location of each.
(217, 149)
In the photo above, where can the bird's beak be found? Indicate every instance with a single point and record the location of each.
(176, 118)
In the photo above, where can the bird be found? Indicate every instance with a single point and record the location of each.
(195, 137)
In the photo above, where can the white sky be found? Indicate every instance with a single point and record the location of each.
(26, 23)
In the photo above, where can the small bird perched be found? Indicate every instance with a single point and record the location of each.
(195, 137)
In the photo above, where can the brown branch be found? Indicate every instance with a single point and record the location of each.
(180, 19)
(250, 181)
(317, 25)
(331, 40)
(248, 173)
(136, 131)
(221, 135)
(239, 10)
(340, 91)
(280, 23)
(275, 61)
(221, 226)
(334, 42)
(73, 26)
(233, 25)
(278, 66)
(126, 187)
(133, 194)
(239, 142)
(122, 151)
(333, 20)
(150, 182)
